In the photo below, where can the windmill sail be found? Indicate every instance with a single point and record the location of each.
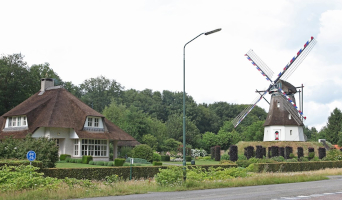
(261, 66)
(291, 110)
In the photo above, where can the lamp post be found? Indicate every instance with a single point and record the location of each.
(184, 143)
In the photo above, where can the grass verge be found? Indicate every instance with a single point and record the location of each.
(143, 186)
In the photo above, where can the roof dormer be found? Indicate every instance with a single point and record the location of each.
(94, 124)
(16, 123)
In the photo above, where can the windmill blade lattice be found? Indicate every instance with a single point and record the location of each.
(261, 66)
(296, 60)
(301, 55)
(237, 120)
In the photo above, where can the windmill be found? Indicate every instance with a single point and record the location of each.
(284, 121)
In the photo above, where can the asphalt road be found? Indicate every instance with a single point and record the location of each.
(326, 189)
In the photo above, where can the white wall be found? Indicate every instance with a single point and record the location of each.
(284, 133)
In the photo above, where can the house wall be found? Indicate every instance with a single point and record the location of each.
(286, 133)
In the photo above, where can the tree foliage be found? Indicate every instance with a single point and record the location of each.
(334, 126)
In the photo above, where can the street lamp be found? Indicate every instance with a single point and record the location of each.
(184, 143)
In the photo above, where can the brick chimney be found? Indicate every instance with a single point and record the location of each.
(46, 83)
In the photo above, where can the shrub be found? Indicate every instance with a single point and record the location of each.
(278, 158)
(292, 155)
(156, 163)
(46, 149)
(275, 151)
(171, 176)
(282, 151)
(86, 159)
(233, 153)
(259, 152)
(143, 151)
(119, 161)
(91, 162)
(334, 155)
(225, 157)
(311, 153)
(243, 163)
(242, 157)
(249, 152)
(212, 152)
(112, 179)
(126, 151)
(110, 164)
(269, 153)
(187, 158)
(288, 151)
(64, 156)
(165, 158)
(79, 161)
(321, 152)
(217, 153)
(264, 151)
(156, 157)
(99, 163)
(300, 152)
(67, 159)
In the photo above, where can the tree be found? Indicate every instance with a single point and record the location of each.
(334, 126)
(73, 89)
(150, 140)
(254, 132)
(171, 144)
(43, 71)
(209, 139)
(174, 128)
(98, 92)
(15, 82)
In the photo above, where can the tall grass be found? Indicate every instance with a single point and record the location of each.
(143, 186)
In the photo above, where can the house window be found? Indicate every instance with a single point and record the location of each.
(17, 121)
(76, 147)
(57, 142)
(93, 121)
(90, 121)
(94, 147)
(96, 122)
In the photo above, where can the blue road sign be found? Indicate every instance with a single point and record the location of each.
(31, 155)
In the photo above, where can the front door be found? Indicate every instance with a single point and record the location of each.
(276, 134)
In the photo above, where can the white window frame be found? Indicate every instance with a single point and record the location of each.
(16, 121)
(95, 148)
(93, 122)
(76, 147)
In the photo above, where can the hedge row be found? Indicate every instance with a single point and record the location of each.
(21, 162)
(296, 166)
(100, 173)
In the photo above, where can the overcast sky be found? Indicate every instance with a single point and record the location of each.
(140, 45)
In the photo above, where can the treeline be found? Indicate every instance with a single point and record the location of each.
(152, 117)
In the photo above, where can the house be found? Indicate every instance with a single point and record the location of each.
(55, 113)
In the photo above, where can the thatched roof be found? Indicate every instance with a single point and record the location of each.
(59, 108)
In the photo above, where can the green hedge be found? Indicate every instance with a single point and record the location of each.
(21, 162)
(100, 173)
(296, 166)
(157, 163)
(119, 161)
(165, 158)
(64, 156)
(86, 159)
(188, 158)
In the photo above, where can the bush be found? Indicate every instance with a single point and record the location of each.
(64, 156)
(282, 151)
(110, 163)
(275, 151)
(292, 155)
(217, 153)
(249, 152)
(91, 162)
(288, 151)
(119, 161)
(101, 163)
(67, 159)
(259, 152)
(212, 152)
(165, 158)
(79, 161)
(321, 152)
(300, 152)
(243, 163)
(233, 153)
(156, 163)
(143, 151)
(171, 176)
(46, 149)
(188, 158)
(311, 153)
(334, 155)
(156, 157)
(126, 151)
(225, 157)
(278, 158)
(242, 157)
(86, 159)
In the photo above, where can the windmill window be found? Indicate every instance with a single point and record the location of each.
(290, 132)
(278, 104)
(289, 116)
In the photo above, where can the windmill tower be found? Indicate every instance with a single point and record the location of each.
(284, 121)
